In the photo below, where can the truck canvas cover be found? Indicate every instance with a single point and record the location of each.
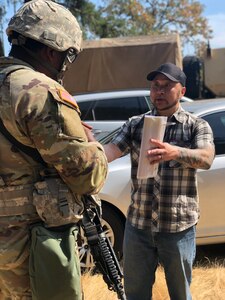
(120, 63)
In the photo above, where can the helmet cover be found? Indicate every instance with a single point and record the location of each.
(48, 23)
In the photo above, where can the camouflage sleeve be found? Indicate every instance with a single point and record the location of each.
(55, 128)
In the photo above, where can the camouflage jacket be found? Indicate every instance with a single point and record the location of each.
(40, 113)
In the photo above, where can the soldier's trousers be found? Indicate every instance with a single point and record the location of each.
(14, 262)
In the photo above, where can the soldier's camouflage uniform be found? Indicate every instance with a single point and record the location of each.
(39, 113)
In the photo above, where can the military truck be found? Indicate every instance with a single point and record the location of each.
(206, 74)
(121, 63)
(111, 64)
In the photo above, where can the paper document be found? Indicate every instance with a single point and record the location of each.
(154, 128)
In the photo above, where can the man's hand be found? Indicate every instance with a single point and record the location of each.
(162, 152)
(192, 158)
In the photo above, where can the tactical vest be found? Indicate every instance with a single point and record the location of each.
(50, 198)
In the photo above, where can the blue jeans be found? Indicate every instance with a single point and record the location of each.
(143, 250)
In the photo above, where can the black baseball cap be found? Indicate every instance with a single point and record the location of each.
(171, 71)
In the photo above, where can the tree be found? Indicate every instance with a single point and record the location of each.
(87, 15)
(140, 17)
(116, 18)
(2, 13)
(161, 16)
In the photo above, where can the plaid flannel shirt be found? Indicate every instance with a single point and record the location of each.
(178, 206)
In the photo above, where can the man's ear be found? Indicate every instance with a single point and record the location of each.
(49, 54)
(183, 91)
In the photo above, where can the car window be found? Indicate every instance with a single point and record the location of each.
(217, 122)
(115, 109)
(86, 109)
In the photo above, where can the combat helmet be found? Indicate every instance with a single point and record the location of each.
(48, 23)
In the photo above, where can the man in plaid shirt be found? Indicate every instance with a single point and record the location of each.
(164, 210)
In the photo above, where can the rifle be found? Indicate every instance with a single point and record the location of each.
(101, 249)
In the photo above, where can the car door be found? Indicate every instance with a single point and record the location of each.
(211, 227)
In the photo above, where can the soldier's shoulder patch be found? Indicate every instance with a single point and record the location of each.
(65, 96)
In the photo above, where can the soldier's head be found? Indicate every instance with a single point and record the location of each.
(49, 35)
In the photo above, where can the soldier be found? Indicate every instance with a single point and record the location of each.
(46, 159)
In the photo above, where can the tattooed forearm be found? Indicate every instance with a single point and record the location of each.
(196, 158)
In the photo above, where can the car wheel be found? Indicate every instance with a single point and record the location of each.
(113, 227)
(116, 224)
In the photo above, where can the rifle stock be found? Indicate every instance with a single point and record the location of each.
(101, 249)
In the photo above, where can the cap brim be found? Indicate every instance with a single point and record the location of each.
(152, 75)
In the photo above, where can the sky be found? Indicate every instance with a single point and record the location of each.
(214, 11)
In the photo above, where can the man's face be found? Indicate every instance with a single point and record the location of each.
(166, 94)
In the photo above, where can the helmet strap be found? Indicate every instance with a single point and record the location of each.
(70, 57)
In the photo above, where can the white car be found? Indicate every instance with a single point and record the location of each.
(115, 194)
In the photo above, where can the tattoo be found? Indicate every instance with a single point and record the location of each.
(196, 158)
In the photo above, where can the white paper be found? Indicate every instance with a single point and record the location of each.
(154, 128)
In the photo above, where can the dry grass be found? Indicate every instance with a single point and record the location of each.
(208, 283)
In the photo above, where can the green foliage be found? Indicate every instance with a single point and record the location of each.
(2, 12)
(115, 18)
(141, 17)
(86, 14)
